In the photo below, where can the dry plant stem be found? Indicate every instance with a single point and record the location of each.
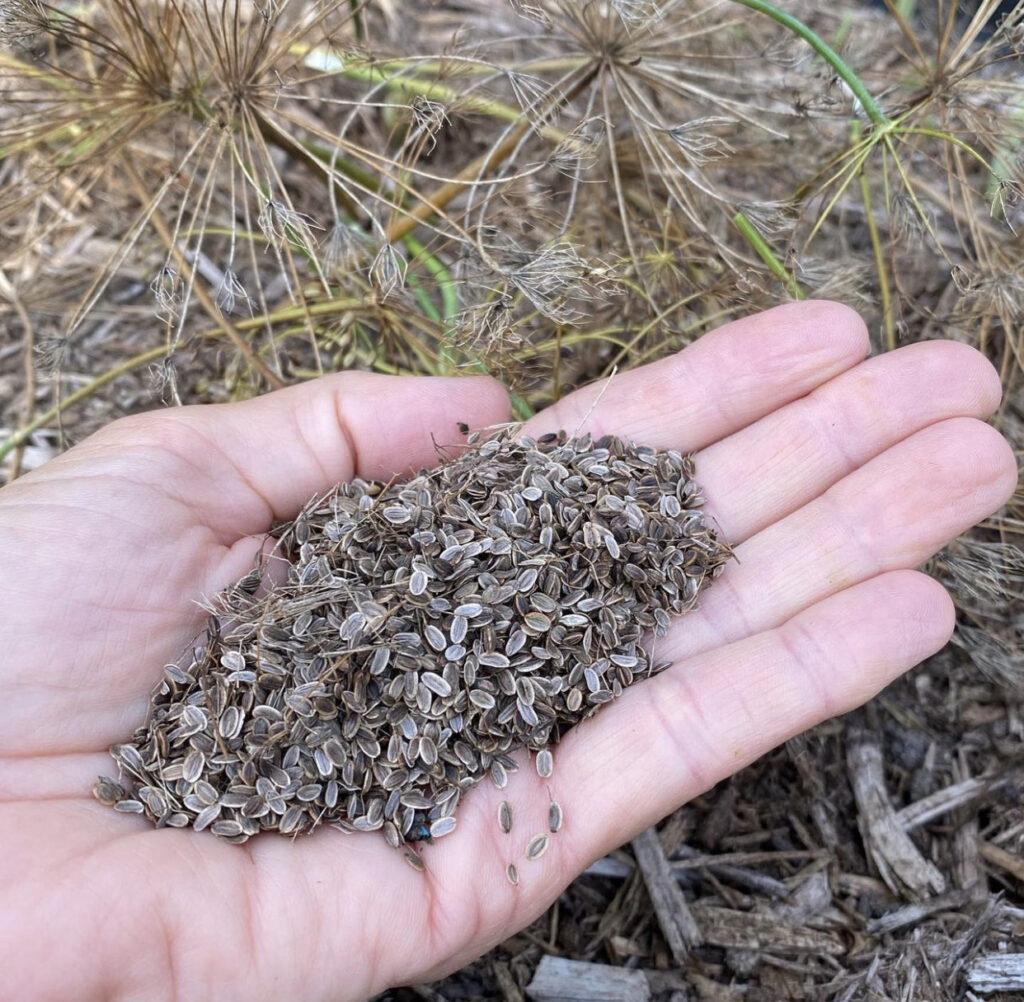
(491, 158)
(434, 90)
(160, 225)
(435, 203)
(285, 143)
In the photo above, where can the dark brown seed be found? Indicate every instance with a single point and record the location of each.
(512, 874)
(108, 791)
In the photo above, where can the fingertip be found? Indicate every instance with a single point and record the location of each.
(821, 320)
(835, 322)
(989, 456)
(974, 372)
(930, 610)
(489, 395)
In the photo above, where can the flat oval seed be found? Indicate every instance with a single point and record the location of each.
(545, 763)
(482, 699)
(505, 816)
(537, 622)
(555, 817)
(512, 874)
(206, 817)
(230, 723)
(459, 629)
(414, 859)
(436, 638)
(442, 826)
(537, 846)
(516, 642)
(436, 683)
(226, 829)
(493, 660)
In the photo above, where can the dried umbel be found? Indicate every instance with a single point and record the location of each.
(426, 631)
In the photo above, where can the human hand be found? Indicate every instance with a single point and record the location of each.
(832, 476)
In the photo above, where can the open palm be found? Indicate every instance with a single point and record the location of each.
(832, 475)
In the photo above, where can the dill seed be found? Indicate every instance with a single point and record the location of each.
(505, 816)
(537, 846)
(443, 826)
(512, 874)
(108, 791)
(425, 632)
(499, 775)
(555, 817)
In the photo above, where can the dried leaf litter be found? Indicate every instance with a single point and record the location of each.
(426, 631)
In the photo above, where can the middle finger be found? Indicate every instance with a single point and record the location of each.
(892, 513)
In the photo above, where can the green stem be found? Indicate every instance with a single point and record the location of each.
(766, 254)
(826, 52)
(449, 298)
(358, 26)
(888, 322)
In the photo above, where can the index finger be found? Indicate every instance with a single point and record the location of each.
(719, 384)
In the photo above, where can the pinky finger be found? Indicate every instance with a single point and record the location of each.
(704, 718)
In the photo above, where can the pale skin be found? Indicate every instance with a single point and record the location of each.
(834, 476)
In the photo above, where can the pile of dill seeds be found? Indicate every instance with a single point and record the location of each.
(426, 631)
